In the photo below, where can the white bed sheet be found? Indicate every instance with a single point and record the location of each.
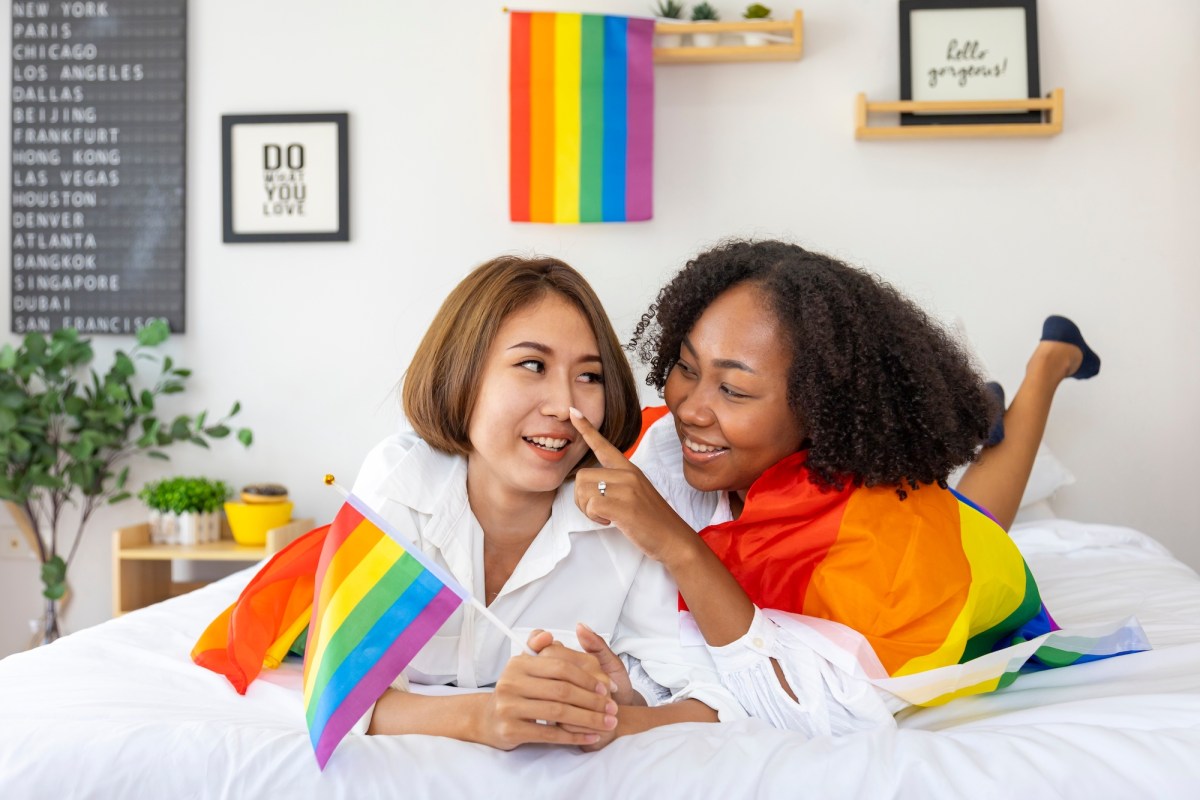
(120, 711)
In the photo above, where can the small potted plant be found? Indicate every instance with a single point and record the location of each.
(669, 11)
(704, 12)
(184, 510)
(756, 11)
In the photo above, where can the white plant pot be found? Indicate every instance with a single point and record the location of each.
(184, 529)
(164, 528)
(668, 39)
(753, 39)
(705, 39)
(189, 533)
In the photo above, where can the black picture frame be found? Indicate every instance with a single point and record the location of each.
(908, 57)
(301, 137)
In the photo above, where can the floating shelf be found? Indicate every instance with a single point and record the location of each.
(790, 51)
(1050, 106)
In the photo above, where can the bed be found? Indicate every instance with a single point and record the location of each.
(118, 710)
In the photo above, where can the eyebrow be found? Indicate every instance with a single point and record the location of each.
(547, 350)
(721, 363)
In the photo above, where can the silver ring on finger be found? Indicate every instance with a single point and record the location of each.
(602, 486)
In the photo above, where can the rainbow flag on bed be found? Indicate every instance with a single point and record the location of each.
(378, 600)
(270, 614)
(581, 117)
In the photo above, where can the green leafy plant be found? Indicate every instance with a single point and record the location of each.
(702, 12)
(756, 11)
(668, 9)
(183, 495)
(67, 431)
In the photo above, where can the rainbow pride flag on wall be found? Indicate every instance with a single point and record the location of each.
(581, 118)
(378, 600)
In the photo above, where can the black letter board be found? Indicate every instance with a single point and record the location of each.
(98, 136)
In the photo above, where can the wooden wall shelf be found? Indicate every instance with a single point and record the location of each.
(790, 51)
(142, 570)
(1050, 106)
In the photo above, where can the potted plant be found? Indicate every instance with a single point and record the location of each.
(184, 510)
(67, 433)
(756, 11)
(669, 11)
(704, 12)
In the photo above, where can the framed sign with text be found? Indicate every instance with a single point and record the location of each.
(286, 177)
(968, 50)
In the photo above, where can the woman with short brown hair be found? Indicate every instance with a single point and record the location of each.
(483, 485)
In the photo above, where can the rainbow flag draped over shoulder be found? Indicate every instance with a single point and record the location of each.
(926, 597)
(581, 117)
(929, 597)
(378, 600)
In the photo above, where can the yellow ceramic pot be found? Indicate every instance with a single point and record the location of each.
(249, 522)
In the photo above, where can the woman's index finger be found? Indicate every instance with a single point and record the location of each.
(608, 455)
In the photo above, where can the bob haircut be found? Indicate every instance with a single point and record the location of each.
(442, 382)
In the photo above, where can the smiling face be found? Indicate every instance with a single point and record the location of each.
(543, 360)
(729, 393)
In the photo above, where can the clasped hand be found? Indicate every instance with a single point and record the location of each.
(569, 691)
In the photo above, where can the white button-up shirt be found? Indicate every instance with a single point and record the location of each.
(828, 700)
(574, 571)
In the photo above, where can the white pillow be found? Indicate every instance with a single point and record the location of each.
(1047, 477)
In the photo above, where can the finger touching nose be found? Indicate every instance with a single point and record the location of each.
(693, 409)
(558, 399)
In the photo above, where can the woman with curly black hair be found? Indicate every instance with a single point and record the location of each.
(815, 414)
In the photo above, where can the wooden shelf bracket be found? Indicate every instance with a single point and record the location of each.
(773, 51)
(1051, 107)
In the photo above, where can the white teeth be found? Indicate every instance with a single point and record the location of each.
(548, 443)
(700, 448)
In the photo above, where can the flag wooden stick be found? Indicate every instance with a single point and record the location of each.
(480, 607)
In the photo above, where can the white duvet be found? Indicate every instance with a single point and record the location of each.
(120, 711)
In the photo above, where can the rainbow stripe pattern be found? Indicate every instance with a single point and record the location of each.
(272, 612)
(581, 118)
(932, 584)
(377, 600)
(927, 597)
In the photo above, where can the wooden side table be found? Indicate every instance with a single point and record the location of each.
(142, 569)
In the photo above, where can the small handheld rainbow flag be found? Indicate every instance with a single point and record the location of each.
(370, 600)
(581, 118)
(378, 600)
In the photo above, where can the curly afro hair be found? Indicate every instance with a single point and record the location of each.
(885, 395)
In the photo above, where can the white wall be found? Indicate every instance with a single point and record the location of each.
(1100, 223)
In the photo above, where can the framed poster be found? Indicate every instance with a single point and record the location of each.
(968, 50)
(286, 177)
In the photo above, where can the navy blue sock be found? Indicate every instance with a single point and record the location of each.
(1061, 329)
(996, 434)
